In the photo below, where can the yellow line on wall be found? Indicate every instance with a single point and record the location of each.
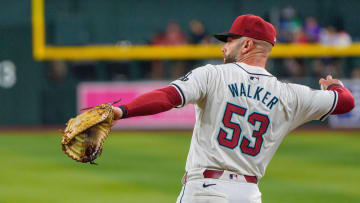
(314, 50)
(145, 52)
(38, 29)
(133, 52)
(187, 52)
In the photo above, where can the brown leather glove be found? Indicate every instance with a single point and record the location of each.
(84, 135)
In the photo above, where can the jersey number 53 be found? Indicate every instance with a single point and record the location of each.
(252, 119)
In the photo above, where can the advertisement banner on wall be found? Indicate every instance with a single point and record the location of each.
(351, 119)
(92, 94)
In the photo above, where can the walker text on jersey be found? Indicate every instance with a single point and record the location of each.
(257, 93)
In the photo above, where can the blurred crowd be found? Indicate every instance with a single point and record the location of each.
(291, 28)
(174, 35)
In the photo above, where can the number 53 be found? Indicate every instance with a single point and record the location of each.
(236, 128)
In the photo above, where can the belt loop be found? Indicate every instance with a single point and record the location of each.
(213, 174)
(251, 179)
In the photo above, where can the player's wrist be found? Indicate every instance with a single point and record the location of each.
(331, 86)
(119, 113)
(123, 110)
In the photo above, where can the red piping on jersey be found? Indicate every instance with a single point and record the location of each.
(153, 102)
(345, 102)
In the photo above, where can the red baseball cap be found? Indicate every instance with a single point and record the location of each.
(250, 26)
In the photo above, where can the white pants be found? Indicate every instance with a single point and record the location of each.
(208, 190)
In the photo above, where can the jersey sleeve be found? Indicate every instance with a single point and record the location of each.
(193, 86)
(309, 104)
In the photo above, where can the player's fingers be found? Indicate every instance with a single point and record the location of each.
(339, 82)
(322, 83)
(117, 113)
(113, 123)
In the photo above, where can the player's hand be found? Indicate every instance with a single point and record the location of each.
(117, 113)
(325, 83)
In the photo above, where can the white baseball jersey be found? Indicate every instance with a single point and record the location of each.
(243, 113)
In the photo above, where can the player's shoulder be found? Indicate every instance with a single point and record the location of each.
(216, 68)
(223, 66)
(206, 69)
(294, 86)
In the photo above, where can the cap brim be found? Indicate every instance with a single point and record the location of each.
(223, 36)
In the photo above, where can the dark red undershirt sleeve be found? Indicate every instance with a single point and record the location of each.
(346, 100)
(153, 102)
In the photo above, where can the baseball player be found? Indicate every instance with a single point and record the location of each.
(242, 114)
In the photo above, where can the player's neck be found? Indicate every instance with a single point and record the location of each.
(258, 59)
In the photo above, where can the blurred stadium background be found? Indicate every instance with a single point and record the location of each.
(57, 56)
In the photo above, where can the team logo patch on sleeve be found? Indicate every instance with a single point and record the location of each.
(185, 77)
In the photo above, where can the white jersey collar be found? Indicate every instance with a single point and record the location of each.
(253, 70)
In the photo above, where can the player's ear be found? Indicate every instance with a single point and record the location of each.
(247, 46)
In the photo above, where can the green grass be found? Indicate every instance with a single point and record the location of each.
(147, 167)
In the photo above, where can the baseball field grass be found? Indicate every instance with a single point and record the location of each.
(147, 167)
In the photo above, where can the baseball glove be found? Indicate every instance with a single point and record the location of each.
(84, 135)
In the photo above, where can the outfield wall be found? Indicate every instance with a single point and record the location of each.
(92, 94)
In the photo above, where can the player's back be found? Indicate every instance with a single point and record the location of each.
(241, 105)
(242, 114)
